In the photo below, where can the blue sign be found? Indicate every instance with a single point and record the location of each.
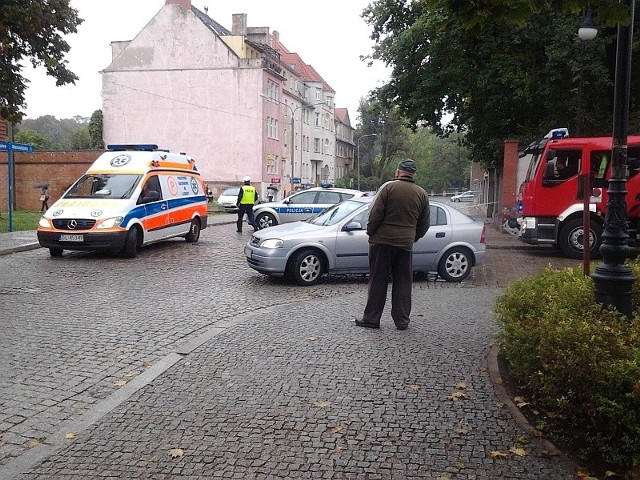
(10, 147)
(16, 147)
(296, 180)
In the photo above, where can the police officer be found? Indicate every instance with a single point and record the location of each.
(247, 197)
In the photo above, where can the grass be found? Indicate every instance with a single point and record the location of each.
(21, 221)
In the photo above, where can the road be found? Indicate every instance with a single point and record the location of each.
(120, 367)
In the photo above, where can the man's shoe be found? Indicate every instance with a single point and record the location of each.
(361, 323)
(402, 327)
(238, 231)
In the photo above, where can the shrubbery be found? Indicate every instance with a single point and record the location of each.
(579, 362)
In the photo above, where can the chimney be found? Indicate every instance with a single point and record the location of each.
(184, 3)
(276, 36)
(239, 24)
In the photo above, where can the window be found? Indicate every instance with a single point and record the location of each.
(437, 215)
(304, 197)
(318, 94)
(317, 120)
(329, 198)
(272, 91)
(316, 145)
(561, 165)
(272, 128)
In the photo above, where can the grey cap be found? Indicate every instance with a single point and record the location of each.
(407, 165)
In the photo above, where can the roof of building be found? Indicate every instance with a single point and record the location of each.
(342, 114)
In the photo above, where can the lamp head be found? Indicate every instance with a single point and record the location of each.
(587, 30)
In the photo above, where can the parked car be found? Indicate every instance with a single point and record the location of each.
(336, 242)
(468, 196)
(301, 205)
(228, 199)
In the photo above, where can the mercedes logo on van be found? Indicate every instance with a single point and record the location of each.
(72, 224)
(120, 160)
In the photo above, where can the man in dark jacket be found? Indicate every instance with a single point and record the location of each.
(399, 217)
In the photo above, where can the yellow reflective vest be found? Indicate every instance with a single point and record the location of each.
(248, 195)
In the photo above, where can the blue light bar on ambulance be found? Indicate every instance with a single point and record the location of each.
(140, 147)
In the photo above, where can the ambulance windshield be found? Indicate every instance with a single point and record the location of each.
(104, 186)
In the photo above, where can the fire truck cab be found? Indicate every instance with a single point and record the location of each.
(551, 198)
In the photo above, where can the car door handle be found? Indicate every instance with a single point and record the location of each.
(440, 235)
(164, 206)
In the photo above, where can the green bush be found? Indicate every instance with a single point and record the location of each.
(579, 362)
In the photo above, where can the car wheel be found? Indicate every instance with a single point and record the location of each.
(571, 239)
(455, 265)
(55, 252)
(307, 267)
(130, 248)
(194, 231)
(265, 220)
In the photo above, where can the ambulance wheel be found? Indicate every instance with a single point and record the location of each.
(307, 267)
(194, 231)
(265, 220)
(571, 238)
(55, 252)
(130, 248)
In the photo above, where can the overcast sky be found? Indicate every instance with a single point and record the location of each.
(329, 35)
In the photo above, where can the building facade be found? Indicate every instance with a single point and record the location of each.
(238, 101)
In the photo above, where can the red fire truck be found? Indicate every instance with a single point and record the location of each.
(551, 198)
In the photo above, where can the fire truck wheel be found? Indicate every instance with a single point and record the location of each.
(570, 239)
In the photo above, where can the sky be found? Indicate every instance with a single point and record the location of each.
(330, 35)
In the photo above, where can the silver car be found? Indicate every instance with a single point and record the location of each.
(301, 205)
(229, 198)
(468, 196)
(336, 242)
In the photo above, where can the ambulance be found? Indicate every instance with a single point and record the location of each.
(131, 196)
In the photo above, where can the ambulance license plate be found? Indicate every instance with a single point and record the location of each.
(71, 238)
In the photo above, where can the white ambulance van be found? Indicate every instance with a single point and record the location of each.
(132, 195)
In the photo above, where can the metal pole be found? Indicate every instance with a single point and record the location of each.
(293, 138)
(358, 166)
(10, 190)
(613, 280)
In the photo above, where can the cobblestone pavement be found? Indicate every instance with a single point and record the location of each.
(184, 363)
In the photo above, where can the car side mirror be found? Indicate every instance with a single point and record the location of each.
(352, 226)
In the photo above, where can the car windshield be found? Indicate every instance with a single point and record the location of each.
(334, 214)
(104, 186)
(231, 192)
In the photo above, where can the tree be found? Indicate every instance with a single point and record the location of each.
(32, 29)
(474, 14)
(31, 137)
(492, 80)
(378, 164)
(443, 163)
(64, 134)
(95, 130)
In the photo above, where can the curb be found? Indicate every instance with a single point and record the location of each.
(19, 248)
(521, 421)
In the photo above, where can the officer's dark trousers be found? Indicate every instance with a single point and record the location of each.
(243, 210)
(385, 261)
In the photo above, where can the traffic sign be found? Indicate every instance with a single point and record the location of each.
(16, 147)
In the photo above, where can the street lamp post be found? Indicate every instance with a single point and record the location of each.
(358, 148)
(613, 280)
